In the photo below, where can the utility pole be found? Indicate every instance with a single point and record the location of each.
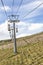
(14, 30)
(15, 48)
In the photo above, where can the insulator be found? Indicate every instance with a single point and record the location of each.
(8, 27)
(10, 33)
(16, 30)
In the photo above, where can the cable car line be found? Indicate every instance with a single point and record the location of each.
(19, 6)
(32, 10)
(4, 7)
(12, 6)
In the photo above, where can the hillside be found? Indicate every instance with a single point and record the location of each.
(32, 39)
(24, 40)
(30, 51)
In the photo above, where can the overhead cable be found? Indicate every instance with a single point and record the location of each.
(12, 6)
(32, 10)
(4, 7)
(19, 6)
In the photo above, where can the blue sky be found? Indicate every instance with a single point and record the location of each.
(29, 24)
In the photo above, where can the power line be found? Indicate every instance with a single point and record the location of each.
(32, 10)
(4, 7)
(19, 6)
(12, 6)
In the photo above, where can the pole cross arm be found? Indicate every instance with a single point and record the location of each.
(13, 21)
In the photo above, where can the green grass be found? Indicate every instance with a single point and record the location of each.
(30, 54)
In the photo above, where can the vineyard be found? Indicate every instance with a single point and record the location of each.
(29, 54)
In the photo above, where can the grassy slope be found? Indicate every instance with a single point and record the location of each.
(30, 54)
(5, 42)
(24, 40)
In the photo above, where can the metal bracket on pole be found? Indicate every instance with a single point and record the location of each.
(15, 21)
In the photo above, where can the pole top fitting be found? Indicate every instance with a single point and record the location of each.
(13, 21)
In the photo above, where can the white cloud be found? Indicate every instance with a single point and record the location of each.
(7, 8)
(23, 35)
(4, 34)
(22, 26)
(25, 9)
(29, 28)
(24, 29)
(35, 26)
